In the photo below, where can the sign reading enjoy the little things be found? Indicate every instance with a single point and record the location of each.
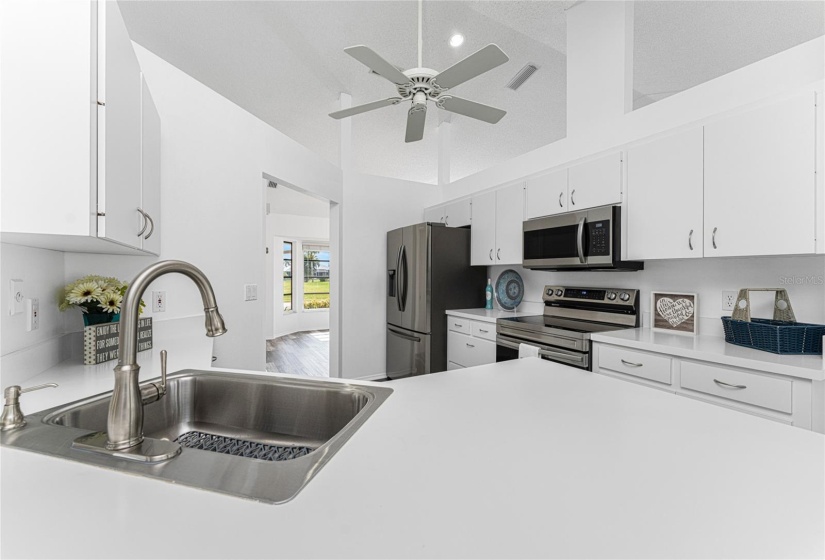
(100, 342)
(673, 312)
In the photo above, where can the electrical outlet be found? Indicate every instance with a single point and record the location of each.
(32, 314)
(158, 302)
(16, 297)
(250, 292)
(728, 300)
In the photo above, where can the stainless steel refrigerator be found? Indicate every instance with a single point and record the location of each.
(428, 272)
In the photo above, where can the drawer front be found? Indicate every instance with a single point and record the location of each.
(638, 364)
(480, 329)
(458, 324)
(467, 351)
(738, 385)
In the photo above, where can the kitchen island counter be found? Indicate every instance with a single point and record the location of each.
(525, 458)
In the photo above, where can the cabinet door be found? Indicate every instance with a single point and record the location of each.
(595, 183)
(119, 128)
(760, 181)
(546, 195)
(509, 222)
(434, 214)
(664, 198)
(150, 170)
(457, 214)
(483, 232)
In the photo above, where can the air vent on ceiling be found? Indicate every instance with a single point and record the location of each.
(272, 185)
(522, 76)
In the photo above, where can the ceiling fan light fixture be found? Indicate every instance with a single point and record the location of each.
(457, 40)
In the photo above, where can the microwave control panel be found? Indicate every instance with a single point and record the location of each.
(599, 238)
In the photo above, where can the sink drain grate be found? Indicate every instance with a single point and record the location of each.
(240, 447)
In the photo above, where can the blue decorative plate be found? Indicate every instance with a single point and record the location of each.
(509, 289)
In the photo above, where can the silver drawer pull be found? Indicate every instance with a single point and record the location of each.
(470, 345)
(482, 330)
(728, 385)
(457, 324)
(631, 364)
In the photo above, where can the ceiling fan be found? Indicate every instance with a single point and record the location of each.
(421, 84)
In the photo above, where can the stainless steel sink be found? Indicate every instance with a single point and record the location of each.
(253, 436)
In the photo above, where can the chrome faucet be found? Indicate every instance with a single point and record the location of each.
(125, 422)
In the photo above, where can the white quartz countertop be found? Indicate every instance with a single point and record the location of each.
(525, 458)
(489, 315)
(715, 349)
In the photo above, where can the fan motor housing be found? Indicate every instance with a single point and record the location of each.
(421, 80)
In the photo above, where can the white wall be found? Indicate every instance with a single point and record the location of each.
(803, 277)
(289, 227)
(374, 206)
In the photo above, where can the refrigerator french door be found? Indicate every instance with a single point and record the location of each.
(428, 272)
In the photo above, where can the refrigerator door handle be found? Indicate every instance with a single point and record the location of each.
(403, 279)
(397, 279)
(404, 335)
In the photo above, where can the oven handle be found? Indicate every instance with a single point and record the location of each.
(542, 352)
(580, 240)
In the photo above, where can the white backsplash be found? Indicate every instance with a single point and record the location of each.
(803, 277)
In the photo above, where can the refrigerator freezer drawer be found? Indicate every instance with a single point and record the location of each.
(408, 353)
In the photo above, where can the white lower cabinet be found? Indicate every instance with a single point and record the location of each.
(790, 400)
(470, 343)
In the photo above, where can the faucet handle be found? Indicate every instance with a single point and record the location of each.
(163, 354)
(12, 415)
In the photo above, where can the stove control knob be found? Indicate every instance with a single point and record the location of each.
(624, 296)
(611, 296)
(559, 292)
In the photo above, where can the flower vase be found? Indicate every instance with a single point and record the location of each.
(100, 318)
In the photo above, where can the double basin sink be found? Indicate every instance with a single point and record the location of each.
(253, 436)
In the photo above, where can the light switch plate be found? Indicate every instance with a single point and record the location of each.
(16, 298)
(250, 292)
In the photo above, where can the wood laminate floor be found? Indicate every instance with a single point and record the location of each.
(300, 353)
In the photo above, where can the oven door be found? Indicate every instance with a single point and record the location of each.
(507, 349)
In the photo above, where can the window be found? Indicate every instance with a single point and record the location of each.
(288, 276)
(316, 277)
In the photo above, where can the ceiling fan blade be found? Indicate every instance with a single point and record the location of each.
(470, 109)
(343, 113)
(415, 123)
(477, 63)
(374, 62)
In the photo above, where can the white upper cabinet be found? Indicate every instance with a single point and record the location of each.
(546, 195)
(483, 232)
(452, 214)
(760, 181)
(73, 165)
(595, 183)
(150, 173)
(497, 226)
(664, 198)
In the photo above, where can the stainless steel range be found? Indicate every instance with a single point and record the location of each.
(571, 315)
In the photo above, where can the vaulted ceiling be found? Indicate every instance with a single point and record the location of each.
(283, 61)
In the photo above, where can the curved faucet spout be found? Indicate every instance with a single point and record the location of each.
(125, 423)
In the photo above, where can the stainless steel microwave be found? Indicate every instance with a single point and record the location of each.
(590, 239)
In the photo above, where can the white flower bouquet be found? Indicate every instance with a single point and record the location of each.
(95, 294)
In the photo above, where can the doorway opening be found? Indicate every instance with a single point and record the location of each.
(298, 281)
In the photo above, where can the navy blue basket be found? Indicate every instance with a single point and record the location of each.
(779, 337)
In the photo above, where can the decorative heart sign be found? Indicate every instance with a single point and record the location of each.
(675, 312)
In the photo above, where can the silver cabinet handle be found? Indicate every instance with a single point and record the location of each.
(714, 237)
(572, 194)
(498, 254)
(580, 240)
(446, 220)
(457, 324)
(690, 240)
(151, 227)
(491, 254)
(728, 385)
(483, 330)
(631, 364)
(145, 222)
(561, 194)
(470, 345)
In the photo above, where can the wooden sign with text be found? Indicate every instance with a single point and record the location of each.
(100, 342)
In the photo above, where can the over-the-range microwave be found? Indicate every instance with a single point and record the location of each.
(589, 240)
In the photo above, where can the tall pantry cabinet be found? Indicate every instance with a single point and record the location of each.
(80, 135)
